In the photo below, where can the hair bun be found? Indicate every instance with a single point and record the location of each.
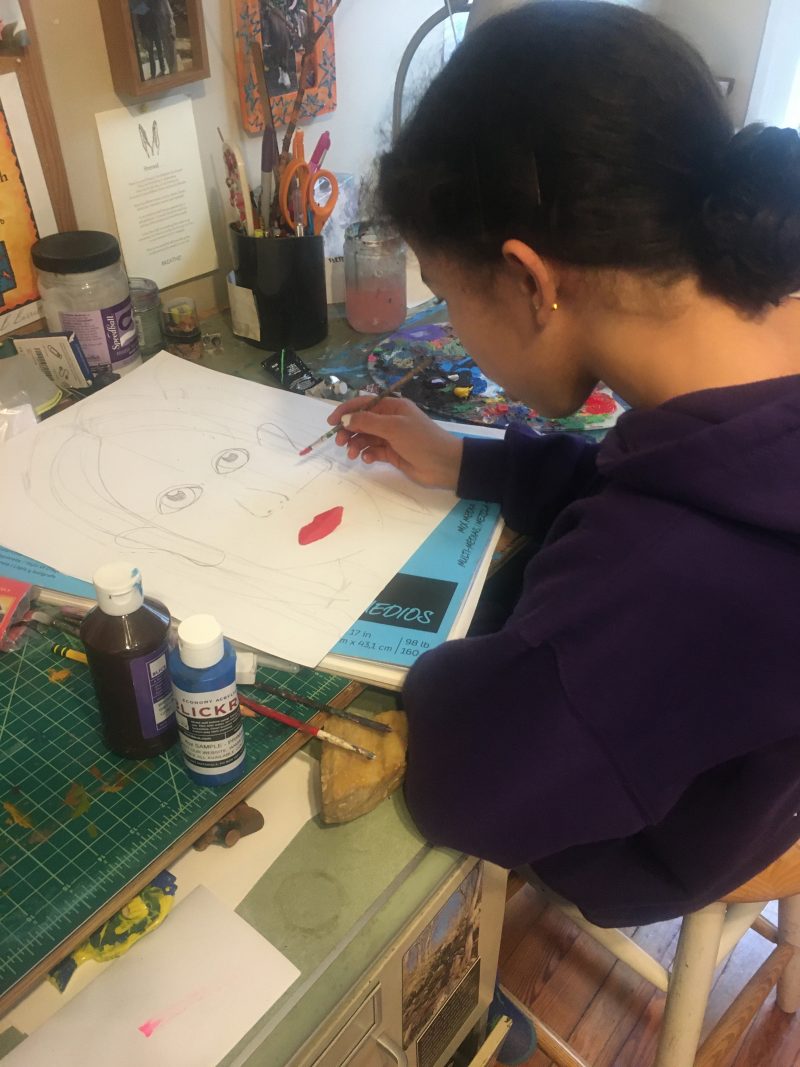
(748, 246)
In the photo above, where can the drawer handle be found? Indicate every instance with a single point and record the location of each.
(389, 1046)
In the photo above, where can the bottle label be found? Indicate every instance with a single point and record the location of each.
(210, 729)
(154, 697)
(107, 335)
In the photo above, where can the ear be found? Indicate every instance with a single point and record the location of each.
(535, 277)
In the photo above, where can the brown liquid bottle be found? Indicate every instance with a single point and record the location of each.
(125, 638)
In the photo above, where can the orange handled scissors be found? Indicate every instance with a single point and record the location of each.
(309, 186)
(299, 189)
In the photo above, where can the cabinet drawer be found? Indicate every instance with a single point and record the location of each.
(352, 1033)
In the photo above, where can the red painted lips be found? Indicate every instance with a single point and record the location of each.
(321, 526)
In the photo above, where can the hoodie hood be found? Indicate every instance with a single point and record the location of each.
(732, 452)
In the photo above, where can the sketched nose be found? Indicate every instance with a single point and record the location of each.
(259, 502)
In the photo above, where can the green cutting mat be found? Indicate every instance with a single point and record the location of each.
(79, 824)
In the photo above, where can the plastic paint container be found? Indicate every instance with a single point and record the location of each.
(203, 669)
(84, 290)
(125, 638)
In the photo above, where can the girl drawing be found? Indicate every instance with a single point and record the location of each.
(575, 190)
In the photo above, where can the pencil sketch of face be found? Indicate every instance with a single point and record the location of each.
(169, 481)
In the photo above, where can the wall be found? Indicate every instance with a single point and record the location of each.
(776, 90)
(729, 34)
(370, 38)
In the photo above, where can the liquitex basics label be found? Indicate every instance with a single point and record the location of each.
(210, 726)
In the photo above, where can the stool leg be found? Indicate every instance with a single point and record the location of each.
(689, 986)
(789, 933)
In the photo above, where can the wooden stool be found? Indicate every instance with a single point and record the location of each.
(707, 938)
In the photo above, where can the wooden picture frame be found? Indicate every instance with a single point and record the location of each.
(29, 68)
(154, 45)
(27, 64)
(249, 17)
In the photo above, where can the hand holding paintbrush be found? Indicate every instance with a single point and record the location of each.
(389, 429)
(365, 404)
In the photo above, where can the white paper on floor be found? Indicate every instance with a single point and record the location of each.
(182, 996)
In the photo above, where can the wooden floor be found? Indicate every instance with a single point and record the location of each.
(607, 1012)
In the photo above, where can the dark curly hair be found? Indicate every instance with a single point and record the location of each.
(599, 136)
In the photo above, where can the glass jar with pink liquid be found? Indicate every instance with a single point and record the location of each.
(375, 278)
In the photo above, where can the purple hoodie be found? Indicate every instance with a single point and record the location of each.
(633, 732)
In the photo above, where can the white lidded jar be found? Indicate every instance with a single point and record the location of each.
(85, 291)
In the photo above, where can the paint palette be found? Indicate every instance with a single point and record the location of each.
(455, 389)
(79, 825)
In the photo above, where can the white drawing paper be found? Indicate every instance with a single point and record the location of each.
(183, 995)
(155, 175)
(194, 476)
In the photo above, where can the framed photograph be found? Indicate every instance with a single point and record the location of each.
(154, 45)
(279, 27)
(14, 34)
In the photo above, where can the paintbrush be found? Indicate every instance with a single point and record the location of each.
(287, 694)
(398, 385)
(304, 727)
(269, 139)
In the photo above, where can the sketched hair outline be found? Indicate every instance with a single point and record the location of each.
(75, 477)
(68, 464)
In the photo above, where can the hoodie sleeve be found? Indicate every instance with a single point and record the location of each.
(533, 476)
(499, 766)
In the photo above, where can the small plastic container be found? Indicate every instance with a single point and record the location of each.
(181, 326)
(374, 278)
(125, 638)
(147, 315)
(203, 669)
(85, 291)
(180, 320)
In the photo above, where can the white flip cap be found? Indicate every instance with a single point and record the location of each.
(119, 588)
(246, 667)
(200, 641)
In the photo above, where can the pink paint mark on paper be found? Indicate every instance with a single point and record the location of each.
(321, 526)
(149, 1028)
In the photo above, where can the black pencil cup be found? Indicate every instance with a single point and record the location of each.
(287, 276)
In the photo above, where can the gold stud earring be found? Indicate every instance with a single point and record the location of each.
(555, 307)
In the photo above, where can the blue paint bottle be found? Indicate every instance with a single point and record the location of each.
(203, 669)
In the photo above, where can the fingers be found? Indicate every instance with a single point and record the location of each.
(348, 406)
(389, 405)
(358, 443)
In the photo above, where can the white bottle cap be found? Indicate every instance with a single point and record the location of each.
(119, 588)
(200, 641)
(246, 667)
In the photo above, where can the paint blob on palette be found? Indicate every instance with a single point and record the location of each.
(454, 388)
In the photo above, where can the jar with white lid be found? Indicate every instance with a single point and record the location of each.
(84, 290)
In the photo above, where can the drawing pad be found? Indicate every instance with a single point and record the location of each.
(195, 477)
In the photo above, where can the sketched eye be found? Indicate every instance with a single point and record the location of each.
(178, 498)
(230, 460)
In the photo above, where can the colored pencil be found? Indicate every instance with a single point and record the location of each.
(304, 727)
(295, 698)
(398, 385)
(69, 653)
